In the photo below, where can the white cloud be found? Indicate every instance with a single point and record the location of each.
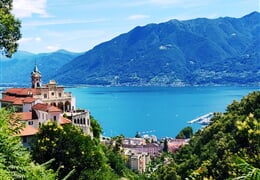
(30, 39)
(26, 8)
(53, 47)
(138, 16)
(38, 39)
(61, 22)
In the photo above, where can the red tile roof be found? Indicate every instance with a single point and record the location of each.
(28, 131)
(54, 109)
(29, 100)
(21, 91)
(46, 108)
(25, 116)
(17, 100)
(8, 98)
(64, 120)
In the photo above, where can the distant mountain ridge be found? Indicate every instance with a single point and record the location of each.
(222, 51)
(17, 70)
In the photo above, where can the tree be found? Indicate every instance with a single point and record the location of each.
(9, 29)
(71, 149)
(249, 172)
(85, 157)
(137, 135)
(165, 145)
(15, 160)
(185, 133)
(95, 128)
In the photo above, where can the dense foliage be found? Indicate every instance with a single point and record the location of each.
(15, 160)
(9, 29)
(185, 133)
(227, 148)
(95, 128)
(76, 153)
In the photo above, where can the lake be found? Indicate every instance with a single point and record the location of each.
(160, 111)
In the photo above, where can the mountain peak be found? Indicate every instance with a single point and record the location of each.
(253, 14)
(174, 53)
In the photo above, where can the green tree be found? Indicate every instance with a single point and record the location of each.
(9, 29)
(72, 150)
(249, 172)
(95, 128)
(165, 145)
(15, 160)
(166, 172)
(185, 133)
(137, 135)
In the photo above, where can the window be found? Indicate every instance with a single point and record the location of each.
(45, 96)
(25, 139)
(59, 94)
(54, 118)
(30, 123)
(52, 93)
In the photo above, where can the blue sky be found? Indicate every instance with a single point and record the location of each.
(79, 25)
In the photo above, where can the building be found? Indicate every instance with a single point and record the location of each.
(153, 149)
(40, 103)
(22, 99)
(175, 144)
(137, 161)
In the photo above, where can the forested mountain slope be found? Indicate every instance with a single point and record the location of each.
(17, 70)
(192, 52)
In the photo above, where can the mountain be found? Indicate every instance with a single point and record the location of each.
(16, 70)
(174, 53)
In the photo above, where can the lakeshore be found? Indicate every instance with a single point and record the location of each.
(160, 111)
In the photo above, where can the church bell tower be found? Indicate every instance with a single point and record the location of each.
(36, 77)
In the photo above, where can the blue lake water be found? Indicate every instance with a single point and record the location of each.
(153, 110)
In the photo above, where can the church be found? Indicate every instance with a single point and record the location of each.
(40, 103)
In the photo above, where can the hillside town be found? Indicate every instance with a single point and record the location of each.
(39, 104)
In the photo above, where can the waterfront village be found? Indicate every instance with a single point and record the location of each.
(40, 103)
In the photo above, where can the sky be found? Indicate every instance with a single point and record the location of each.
(79, 25)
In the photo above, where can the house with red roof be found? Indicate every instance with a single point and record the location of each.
(36, 105)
